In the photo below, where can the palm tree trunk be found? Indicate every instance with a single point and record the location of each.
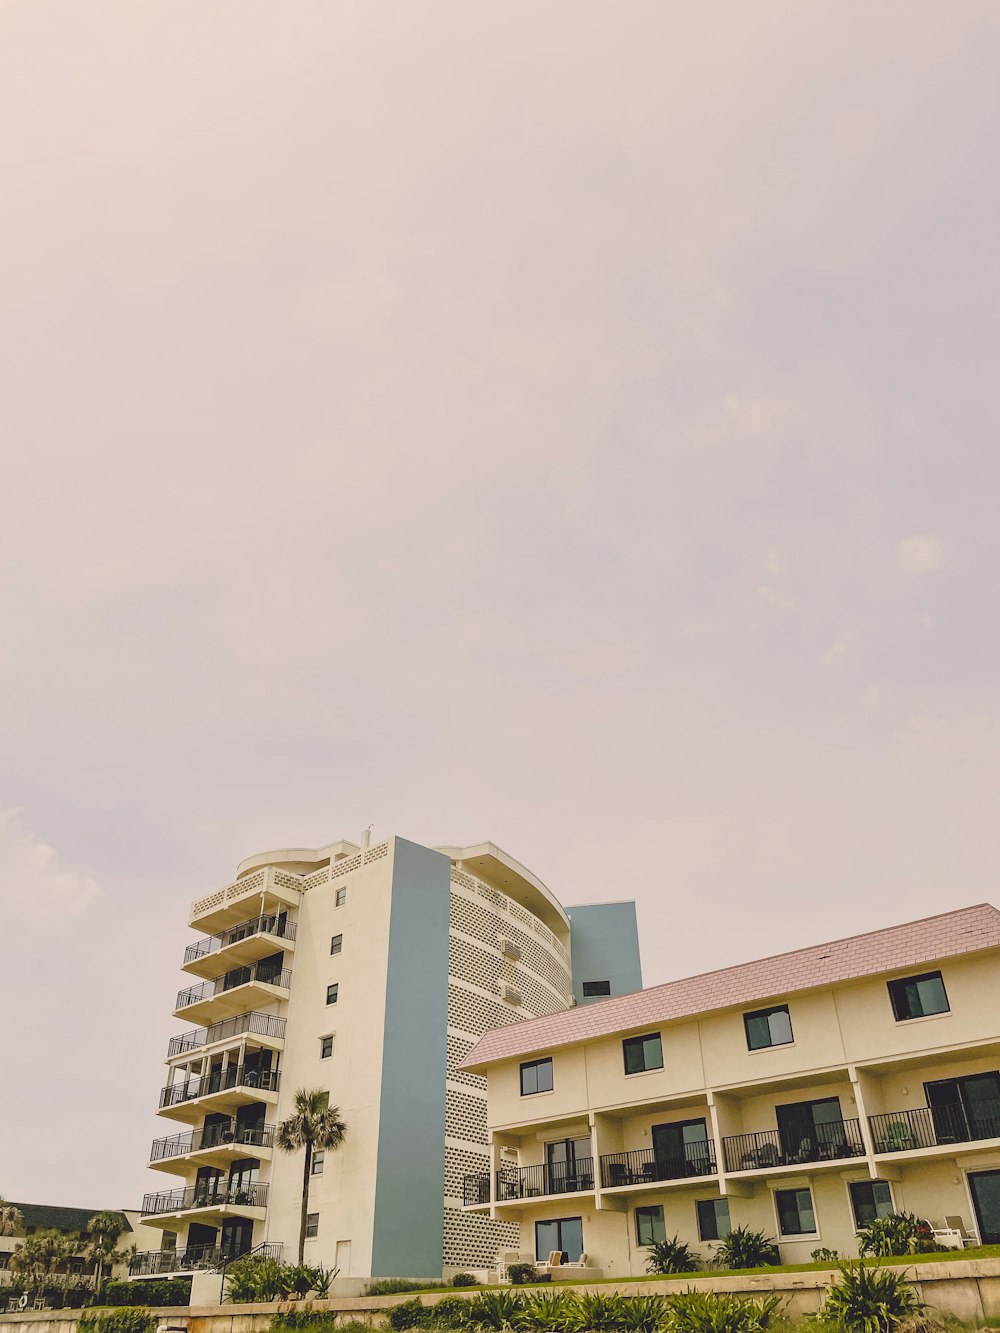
(305, 1201)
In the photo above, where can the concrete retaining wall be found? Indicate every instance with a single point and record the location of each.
(967, 1289)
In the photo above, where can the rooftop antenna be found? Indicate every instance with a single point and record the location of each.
(366, 838)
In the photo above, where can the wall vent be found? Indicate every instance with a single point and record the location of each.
(511, 994)
(509, 949)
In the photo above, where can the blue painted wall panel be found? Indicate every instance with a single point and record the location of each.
(604, 940)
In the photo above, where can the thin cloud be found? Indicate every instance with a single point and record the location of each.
(32, 874)
(921, 554)
(781, 600)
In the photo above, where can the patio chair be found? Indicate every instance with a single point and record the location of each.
(968, 1238)
(507, 1258)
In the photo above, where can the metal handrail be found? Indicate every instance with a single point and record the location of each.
(261, 1025)
(212, 1136)
(476, 1188)
(271, 924)
(520, 1182)
(206, 1194)
(931, 1127)
(237, 976)
(646, 1164)
(220, 1080)
(827, 1142)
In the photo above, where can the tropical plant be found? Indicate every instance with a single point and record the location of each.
(499, 1309)
(410, 1314)
(889, 1236)
(103, 1231)
(11, 1218)
(322, 1277)
(824, 1256)
(869, 1300)
(41, 1254)
(450, 1312)
(548, 1312)
(256, 1277)
(390, 1286)
(712, 1312)
(519, 1274)
(126, 1319)
(671, 1256)
(744, 1248)
(599, 1311)
(316, 1321)
(315, 1124)
(463, 1280)
(643, 1314)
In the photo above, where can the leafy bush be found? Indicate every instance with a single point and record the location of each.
(463, 1280)
(642, 1314)
(549, 1312)
(317, 1321)
(710, 1312)
(888, 1236)
(600, 1311)
(671, 1256)
(256, 1277)
(869, 1300)
(519, 1274)
(744, 1248)
(409, 1314)
(449, 1312)
(126, 1319)
(158, 1292)
(499, 1309)
(390, 1286)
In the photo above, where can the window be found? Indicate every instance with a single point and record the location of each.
(795, 1212)
(649, 1228)
(713, 1219)
(312, 1225)
(340, 897)
(536, 1076)
(336, 944)
(325, 1047)
(332, 992)
(563, 1233)
(916, 997)
(319, 1156)
(870, 1199)
(594, 988)
(768, 1027)
(642, 1053)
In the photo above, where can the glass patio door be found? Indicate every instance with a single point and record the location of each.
(569, 1164)
(680, 1149)
(985, 1187)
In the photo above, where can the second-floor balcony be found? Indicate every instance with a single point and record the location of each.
(934, 1127)
(244, 943)
(269, 1027)
(220, 1090)
(770, 1148)
(528, 1182)
(216, 1197)
(212, 1145)
(241, 988)
(646, 1166)
(191, 1258)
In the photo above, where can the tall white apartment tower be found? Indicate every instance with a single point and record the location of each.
(369, 972)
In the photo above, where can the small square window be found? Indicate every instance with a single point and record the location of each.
(591, 989)
(312, 1225)
(325, 1047)
(536, 1076)
(796, 1216)
(336, 944)
(768, 1027)
(319, 1157)
(713, 1219)
(340, 897)
(332, 992)
(870, 1199)
(649, 1228)
(918, 997)
(642, 1053)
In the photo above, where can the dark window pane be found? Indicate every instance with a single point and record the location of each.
(870, 1199)
(336, 944)
(917, 997)
(591, 988)
(642, 1053)
(326, 1048)
(713, 1219)
(795, 1212)
(536, 1076)
(768, 1027)
(564, 1233)
(649, 1228)
(332, 993)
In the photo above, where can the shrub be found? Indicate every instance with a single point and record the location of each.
(671, 1256)
(888, 1236)
(519, 1274)
(409, 1314)
(157, 1292)
(317, 1321)
(496, 1309)
(449, 1312)
(257, 1278)
(390, 1286)
(549, 1312)
(599, 1311)
(824, 1256)
(708, 1312)
(869, 1300)
(744, 1248)
(643, 1314)
(126, 1319)
(463, 1280)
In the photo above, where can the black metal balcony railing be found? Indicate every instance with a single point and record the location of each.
(220, 1080)
(931, 1126)
(269, 975)
(524, 1182)
(823, 1143)
(260, 1025)
(476, 1188)
(206, 1194)
(647, 1164)
(151, 1262)
(212, 1136)
(273, 924)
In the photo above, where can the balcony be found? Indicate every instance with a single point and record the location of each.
(153, 1263)
(767, 1150)
(645, 1166)
(210, 1199)
(221, 1090)
(932, 1127)
(214, 1145)
(244, 943)
(476, 1190)
(242, 988)
(272, 888)
(530, 1182)
(267, 1026)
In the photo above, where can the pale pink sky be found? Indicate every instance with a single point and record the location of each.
(563, 423)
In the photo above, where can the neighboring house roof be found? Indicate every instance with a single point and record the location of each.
(916, 943)
(45, 1216)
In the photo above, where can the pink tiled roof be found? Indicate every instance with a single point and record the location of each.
(910, 945)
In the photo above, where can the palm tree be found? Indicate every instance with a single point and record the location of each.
(11, 1218)
(314, 1125)
(104, 1230)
